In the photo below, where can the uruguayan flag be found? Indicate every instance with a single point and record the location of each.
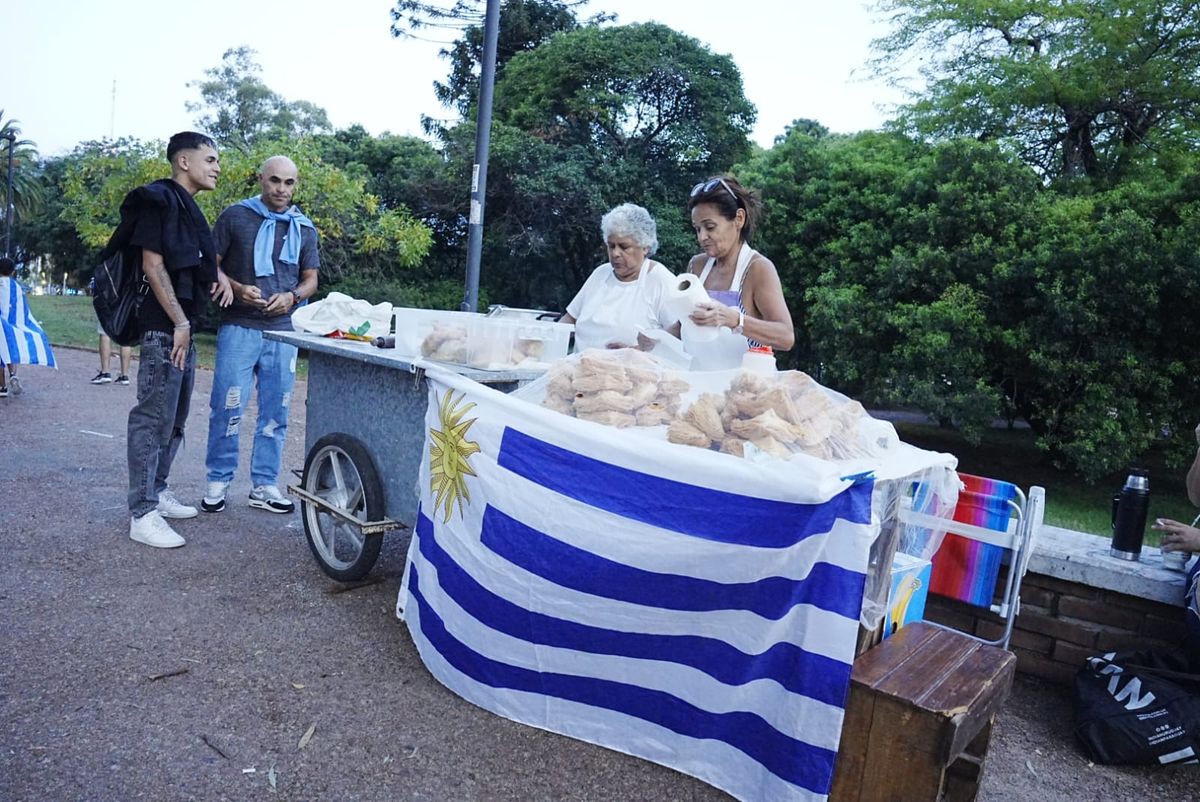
(22, 341)
(677, 604)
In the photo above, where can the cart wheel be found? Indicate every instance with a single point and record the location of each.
(339, 470)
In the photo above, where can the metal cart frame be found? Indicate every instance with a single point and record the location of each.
(364, 437)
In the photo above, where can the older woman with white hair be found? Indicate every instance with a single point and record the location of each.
(627, 294)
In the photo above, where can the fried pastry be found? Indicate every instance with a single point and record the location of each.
(684, 433)
(704, 415)
(609, 417)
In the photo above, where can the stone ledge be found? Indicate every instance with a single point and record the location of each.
(1083, 558)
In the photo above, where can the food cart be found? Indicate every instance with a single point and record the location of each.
(364, 433)
(369, 417)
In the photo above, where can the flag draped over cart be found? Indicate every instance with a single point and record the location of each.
(22, 341)
(672, 603)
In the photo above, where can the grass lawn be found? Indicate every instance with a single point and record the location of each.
(1070, 502)
(1003, 454)
(69, 320)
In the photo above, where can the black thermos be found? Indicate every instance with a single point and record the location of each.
(1129, 510)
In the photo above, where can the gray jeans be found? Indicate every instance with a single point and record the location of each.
(164, 396)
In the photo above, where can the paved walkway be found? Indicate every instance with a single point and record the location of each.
(130, 673)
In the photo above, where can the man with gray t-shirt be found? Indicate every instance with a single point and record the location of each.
(269, 251)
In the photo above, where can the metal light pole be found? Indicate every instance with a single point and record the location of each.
(8, 203)
(483, 133)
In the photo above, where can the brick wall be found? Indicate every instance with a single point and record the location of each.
(1061, 623)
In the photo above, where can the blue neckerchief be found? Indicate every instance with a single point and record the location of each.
(264, 243)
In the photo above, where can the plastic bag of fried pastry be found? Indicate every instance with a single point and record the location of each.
(625, 388)
(748, 415)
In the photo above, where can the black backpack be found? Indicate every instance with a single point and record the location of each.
(118, 290)
(1138, 708)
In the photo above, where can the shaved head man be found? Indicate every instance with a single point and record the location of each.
(270, 252)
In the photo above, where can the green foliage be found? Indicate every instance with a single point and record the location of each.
(96, 178)
(239, 109)
(358, 237)
(28, 196)
(524, 25)
(637, 92)
(948, 278)
(1077, 87)
(590, 119)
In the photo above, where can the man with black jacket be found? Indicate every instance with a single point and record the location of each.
(163, 229)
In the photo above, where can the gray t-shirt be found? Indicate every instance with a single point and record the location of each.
(234, 236)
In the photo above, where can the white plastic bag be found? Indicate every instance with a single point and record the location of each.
(338, 312)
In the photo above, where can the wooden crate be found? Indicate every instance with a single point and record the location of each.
(919, 717)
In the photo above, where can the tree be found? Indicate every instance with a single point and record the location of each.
(592, 118)
(892, 254)
(359, 238)
(1078, 87)
(524, 25)
(239, 109)
(28, 195)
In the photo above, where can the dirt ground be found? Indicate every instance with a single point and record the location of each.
(128, 673)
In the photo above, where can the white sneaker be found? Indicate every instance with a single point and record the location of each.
(268, 497)
(14, 385)
(214, 496)
(171, 507)
(153, 530)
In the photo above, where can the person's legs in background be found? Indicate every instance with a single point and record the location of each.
(104, 377)
(126, 359)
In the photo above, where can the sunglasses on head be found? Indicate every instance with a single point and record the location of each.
(706, 186)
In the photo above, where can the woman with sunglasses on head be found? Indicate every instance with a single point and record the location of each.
(745, 295)
(625, 295)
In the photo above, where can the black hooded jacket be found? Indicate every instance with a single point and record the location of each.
(163, 217)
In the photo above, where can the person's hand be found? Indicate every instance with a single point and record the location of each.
(711, 313)
(250, 295)
(279, 304)
(179, 346)
(1177, 536)
(222, 290)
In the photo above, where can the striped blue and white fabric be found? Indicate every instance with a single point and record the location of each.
(673, 603)
(22, 341)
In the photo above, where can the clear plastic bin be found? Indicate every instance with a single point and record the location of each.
(504, 343)
(489, 343)
(414, 327)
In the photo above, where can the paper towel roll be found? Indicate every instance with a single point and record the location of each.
(685, 293)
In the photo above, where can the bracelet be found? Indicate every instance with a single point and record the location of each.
(741, 322)
(187, 324)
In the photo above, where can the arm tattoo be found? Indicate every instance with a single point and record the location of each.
(167, 293)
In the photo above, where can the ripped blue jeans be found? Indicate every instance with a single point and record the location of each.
(164, 396)
(246, 358)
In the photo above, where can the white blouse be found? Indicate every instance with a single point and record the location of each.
(607, 310)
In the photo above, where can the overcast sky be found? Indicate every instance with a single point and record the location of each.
(798, 58)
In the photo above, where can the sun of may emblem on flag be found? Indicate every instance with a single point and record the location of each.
(449, 453)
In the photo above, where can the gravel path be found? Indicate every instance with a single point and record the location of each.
(128, 673)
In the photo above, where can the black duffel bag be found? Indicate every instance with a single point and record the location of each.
(1138, 708)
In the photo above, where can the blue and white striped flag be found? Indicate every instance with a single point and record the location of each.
(22, 341)
(672, 603)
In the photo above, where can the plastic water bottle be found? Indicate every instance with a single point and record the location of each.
(759, 359)
(1129, 516)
